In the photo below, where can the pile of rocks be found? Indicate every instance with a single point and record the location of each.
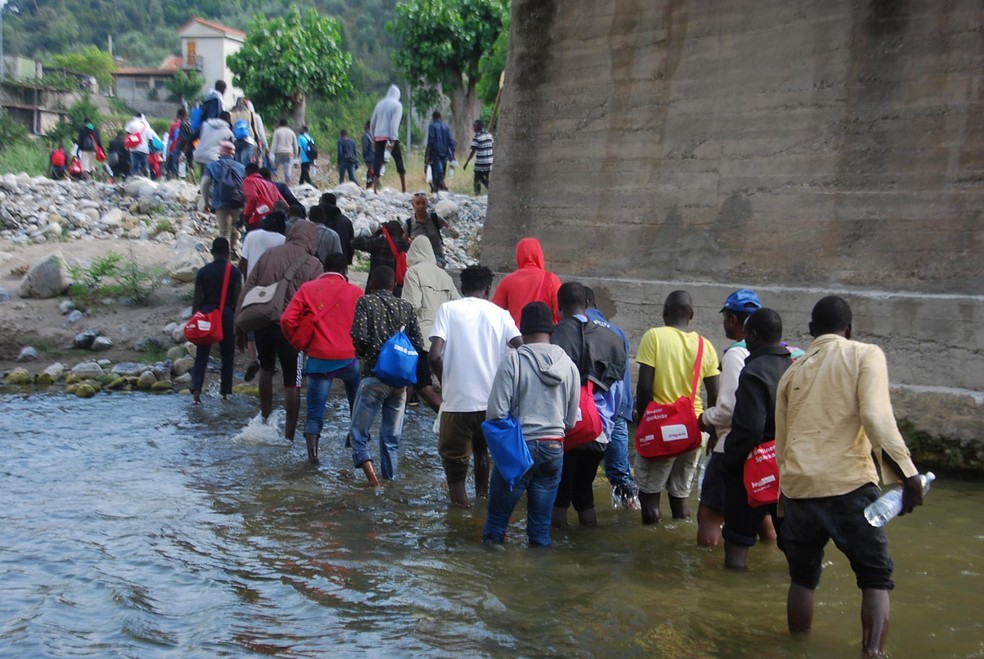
(39, 210)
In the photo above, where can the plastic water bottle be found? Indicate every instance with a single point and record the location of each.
(889, 505)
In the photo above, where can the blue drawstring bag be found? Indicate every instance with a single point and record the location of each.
(508, 448)
(397, 363)
(506, 442)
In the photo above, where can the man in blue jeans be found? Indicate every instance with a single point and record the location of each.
(625, 494)
(540, 385)
(378, 316)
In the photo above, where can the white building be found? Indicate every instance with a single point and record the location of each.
(205, 47)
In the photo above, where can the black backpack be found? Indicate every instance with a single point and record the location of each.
(312, 150)
(88, 142)
(231, 187)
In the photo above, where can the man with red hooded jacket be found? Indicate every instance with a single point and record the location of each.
(530, 283)
(260, 195)
(318, 321)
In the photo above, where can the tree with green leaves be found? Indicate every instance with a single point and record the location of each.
(185, 85)
(443, 43)
(90, 60)
(285, 60)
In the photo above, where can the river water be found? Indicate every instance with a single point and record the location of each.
(135, 525)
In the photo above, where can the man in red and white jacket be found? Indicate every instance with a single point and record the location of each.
(260, 195)
(318, 321)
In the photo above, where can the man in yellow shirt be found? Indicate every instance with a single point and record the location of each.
(666, 357)
(833, 412)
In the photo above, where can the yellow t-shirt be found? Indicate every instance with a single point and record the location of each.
(672, 353)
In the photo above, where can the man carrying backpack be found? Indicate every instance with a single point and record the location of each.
(382, 252)
(244, 130)
(222, 186)
(88, 141)
(138, 138)
(59, 162)
(213, 104)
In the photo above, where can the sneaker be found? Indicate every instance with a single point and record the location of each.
(251, 372)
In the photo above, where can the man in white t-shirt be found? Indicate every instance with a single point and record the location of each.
(269, 234)
(468, 341)
(716, 420)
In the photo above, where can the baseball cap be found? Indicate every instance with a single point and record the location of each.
(742, 301)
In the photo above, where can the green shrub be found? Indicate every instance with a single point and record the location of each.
(112, 276)
(29, 156)
(11, 132)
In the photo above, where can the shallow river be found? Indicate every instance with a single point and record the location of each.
(137, 526)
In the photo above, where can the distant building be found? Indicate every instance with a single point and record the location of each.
(37, 102)
(205, 46)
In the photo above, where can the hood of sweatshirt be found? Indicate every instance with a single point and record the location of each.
(529, 253)
(304, 233)
(420, 251)
(546, 359)
(215, 122)
(393, 93)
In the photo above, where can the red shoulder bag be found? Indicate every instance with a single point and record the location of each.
(666, 431)
(205, 329)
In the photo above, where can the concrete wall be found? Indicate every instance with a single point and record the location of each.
(796, 148)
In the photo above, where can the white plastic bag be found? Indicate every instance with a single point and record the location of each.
(429, 174)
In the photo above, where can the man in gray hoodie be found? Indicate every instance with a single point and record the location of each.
(539, 385)
(385, 129)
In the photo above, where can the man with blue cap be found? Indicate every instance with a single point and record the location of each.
(716, 420)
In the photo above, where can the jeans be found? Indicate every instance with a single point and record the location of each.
(373, 396)
(319, 384)
(285, 161)
(617, 461)
(540, 484)
(244, 152)
(437, 174)
(346, 168)
(138, 163)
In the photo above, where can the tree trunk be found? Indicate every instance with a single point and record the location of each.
(465, 109)
(298, 113)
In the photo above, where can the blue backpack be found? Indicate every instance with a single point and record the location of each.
(240, 130)
(196, 119)
(231, 187)
(397, 362)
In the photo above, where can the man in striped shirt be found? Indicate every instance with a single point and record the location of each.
(481, 149)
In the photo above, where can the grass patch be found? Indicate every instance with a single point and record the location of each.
(30, 157)
(113, 276)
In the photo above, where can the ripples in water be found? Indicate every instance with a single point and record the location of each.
(136, 525)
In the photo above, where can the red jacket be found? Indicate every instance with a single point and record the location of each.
(319, 318)
(530, 283)
(260, 195)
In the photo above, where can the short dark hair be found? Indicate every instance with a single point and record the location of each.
(264, 172)
(436, 115)
(589, 297)
(252, 168)
(220, 246)
(328, 199)
(382, 277)
(678, 304)
(296, 210)
(281, 205)
(478, 124)
(343, 133)
(225, 116)
(336, 262)
(830, 315)
(282, 121)
(767, 323)
(220, 85)
(572, 295)
(304, 128)
(741, 316)
(475, 279)
(182, 113)
(87, 120)
(317, 214)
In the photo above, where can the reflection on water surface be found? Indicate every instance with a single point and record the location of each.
(136, 525)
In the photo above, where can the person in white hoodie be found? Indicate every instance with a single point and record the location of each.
(385, 128)
(214, 131)
(538, 385)
(426, 288)
(139, 135)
